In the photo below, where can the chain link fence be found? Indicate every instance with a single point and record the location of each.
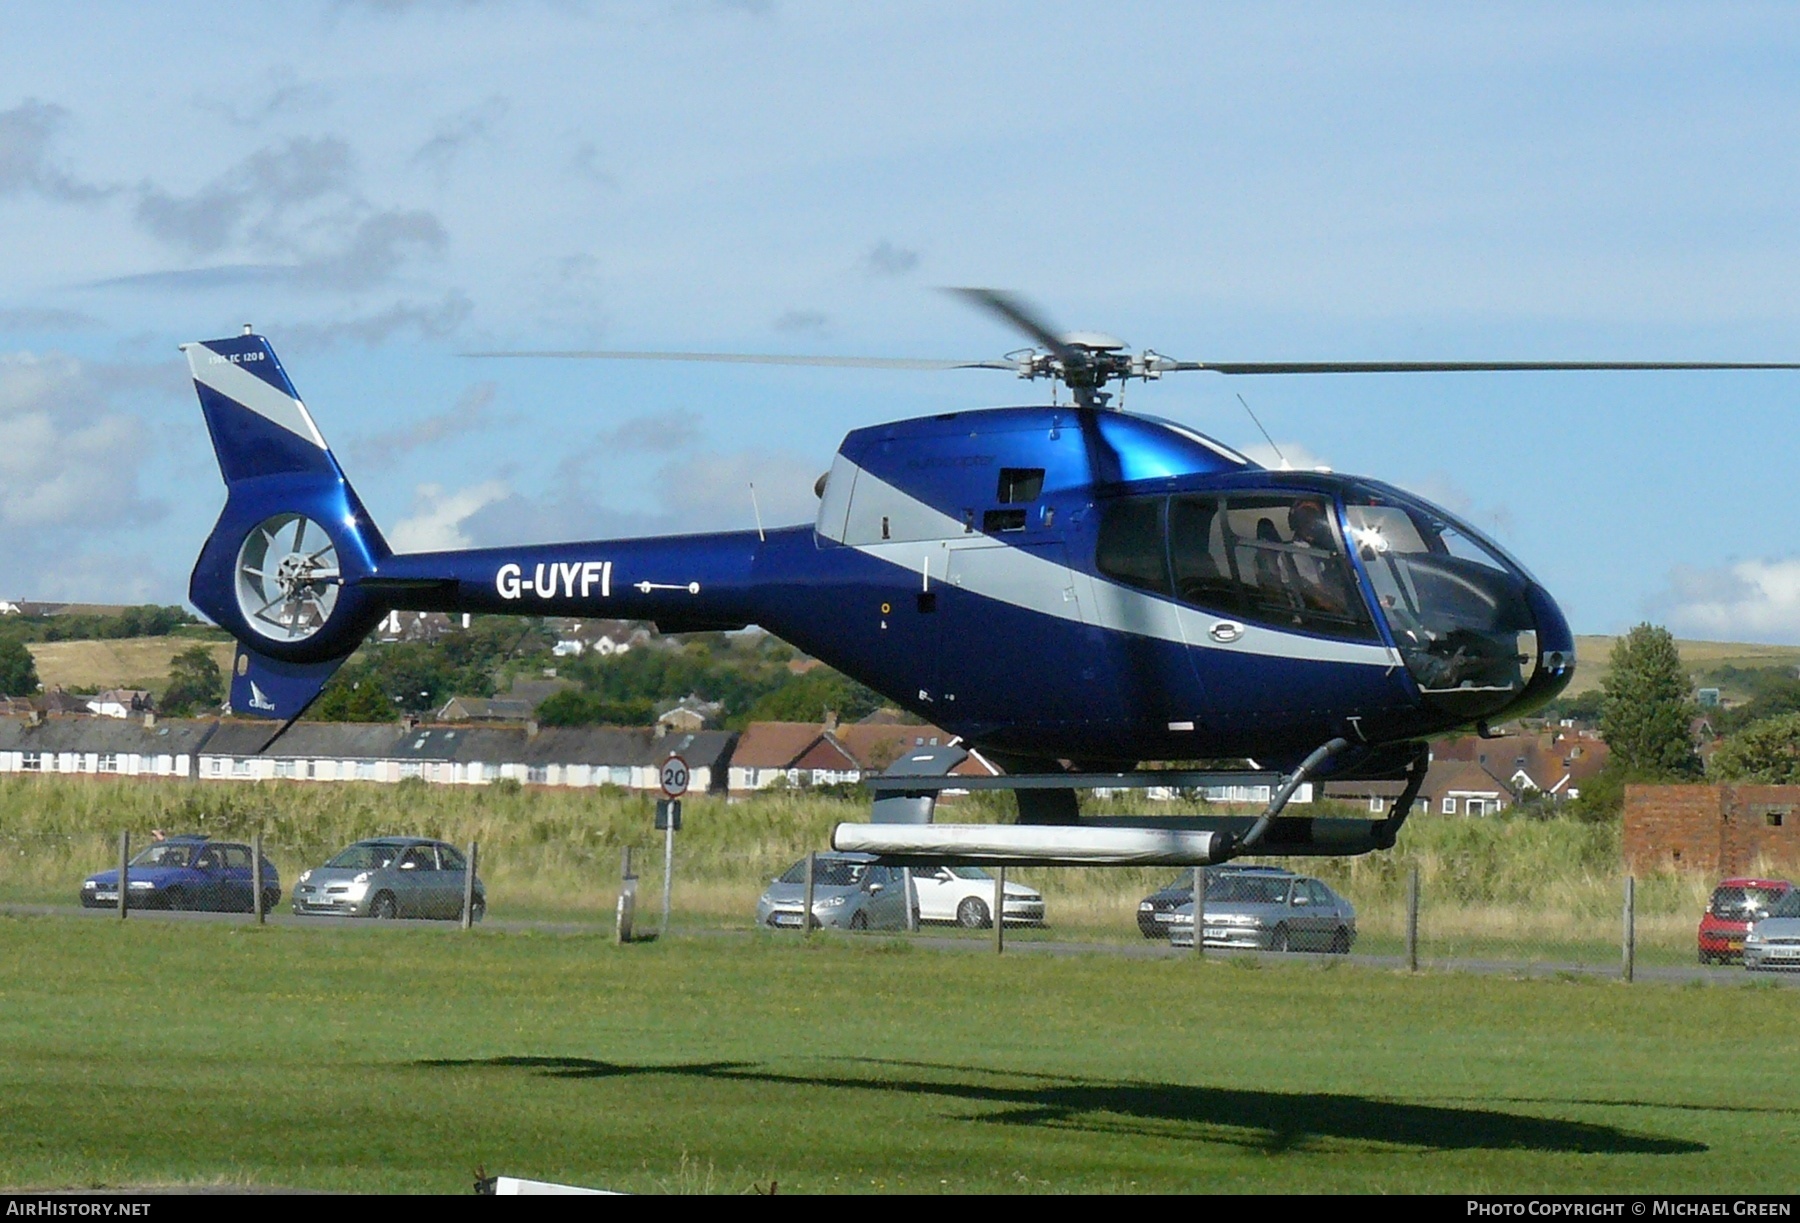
(1495, 891)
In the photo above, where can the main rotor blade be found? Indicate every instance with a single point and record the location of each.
(1456, 367)
(1019, 315)
(743, 358)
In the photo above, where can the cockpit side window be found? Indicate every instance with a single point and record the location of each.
(1130, 547)
(1200, 556)
(1289, 565)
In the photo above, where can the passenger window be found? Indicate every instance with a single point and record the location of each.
(1290, 567)
(452, 860)
(1199, 554)
(1020, 484)
(995, 521)
(418, 858)
(237, 857)
(1131, 544)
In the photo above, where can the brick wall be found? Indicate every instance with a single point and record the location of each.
(1718, 830)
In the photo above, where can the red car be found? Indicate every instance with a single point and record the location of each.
(1734, 905)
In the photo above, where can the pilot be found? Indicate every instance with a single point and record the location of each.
(1320, 580)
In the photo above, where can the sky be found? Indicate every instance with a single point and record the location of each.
(380, 187)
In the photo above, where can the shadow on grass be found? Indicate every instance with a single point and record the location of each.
(1268, 1121)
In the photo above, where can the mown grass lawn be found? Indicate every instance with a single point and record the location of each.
(401, 1059)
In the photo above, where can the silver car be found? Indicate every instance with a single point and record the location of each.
(1774, 942)
(390, 877)
(1268, 911)
(850, 892)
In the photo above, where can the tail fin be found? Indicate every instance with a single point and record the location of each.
(281, 569)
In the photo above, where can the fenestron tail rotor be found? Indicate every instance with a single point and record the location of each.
(1088, 362)
(287, 578)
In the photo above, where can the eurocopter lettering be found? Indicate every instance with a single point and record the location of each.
(1050, 583)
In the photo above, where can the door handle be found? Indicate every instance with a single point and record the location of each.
(1225, 631)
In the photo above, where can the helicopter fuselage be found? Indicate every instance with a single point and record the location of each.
(1085, 584)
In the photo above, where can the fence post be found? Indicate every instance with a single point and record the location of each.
(1630, 933)
(627, 897)
(124, 871)
(468, 908)
(1199, 912)
(1412, 920)
(1000, 910)
(256, 877)
(912, 913)
(806, 904)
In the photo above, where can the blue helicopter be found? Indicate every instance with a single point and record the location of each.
(1073, 590)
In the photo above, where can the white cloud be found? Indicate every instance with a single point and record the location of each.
(1292, 456)
(1752, 600)
(436, 522)
(470, 413)
(66, 459)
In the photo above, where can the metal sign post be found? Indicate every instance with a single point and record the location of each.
(674, 778)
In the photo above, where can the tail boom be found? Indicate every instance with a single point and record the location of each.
(684, 583)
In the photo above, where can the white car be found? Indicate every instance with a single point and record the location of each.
(965, 895)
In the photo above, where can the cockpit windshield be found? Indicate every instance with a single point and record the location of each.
(1455, 604)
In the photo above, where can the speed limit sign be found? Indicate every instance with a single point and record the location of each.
(674, 777)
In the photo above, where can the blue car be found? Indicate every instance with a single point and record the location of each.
(186, 872)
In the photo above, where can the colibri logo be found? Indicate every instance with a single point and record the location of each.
(259, 700)
(556, 578)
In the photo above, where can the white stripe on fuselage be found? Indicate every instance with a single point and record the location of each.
(1016, 576)
(242, 387)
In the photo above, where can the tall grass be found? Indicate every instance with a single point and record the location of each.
(1505, 880)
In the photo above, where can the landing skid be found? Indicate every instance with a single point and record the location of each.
(1051, 832)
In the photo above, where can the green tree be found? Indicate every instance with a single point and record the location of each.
(18, 674)
(194, 683)
(1647, 708)
(1766, 751)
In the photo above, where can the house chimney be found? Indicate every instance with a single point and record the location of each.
(149, 719)
(409, 721)
(831, 719)
(35, 718)
(531, 729)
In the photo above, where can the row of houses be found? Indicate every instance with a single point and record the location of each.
(1485, 776)
(1467, 777)
(767, 755)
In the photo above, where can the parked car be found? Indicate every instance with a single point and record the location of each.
(1735, 904)
(1157, 910)
(186, 872)
(965, 895)
(389, 877)
(1269, 911)
(1773, 941)
(850, 892)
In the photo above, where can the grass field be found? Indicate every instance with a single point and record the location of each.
(128, 662)
(401, 1059)
(1593, 654)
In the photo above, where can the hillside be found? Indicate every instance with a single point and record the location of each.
(143, 662)
(127, 662)
(1592, 653)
